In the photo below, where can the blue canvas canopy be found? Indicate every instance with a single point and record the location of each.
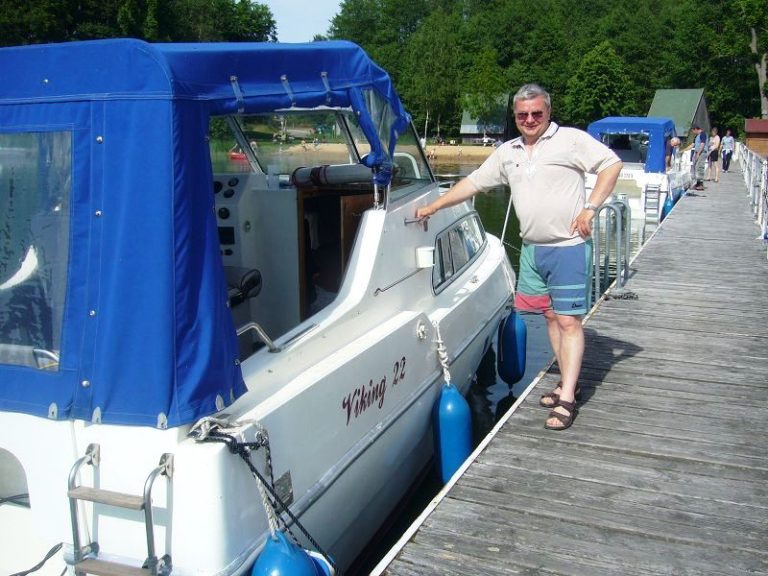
(113, 137)
(658, 130)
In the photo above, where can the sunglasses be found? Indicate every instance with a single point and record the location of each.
(536, 115)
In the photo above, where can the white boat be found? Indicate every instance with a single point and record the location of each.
(646, 182)
(189, 312)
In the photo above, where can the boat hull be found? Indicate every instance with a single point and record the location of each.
(346, 461)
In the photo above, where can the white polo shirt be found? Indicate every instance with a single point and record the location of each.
(547, 187)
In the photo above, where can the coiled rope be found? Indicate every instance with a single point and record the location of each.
(51, 553)
(23, 500)
(442, 353)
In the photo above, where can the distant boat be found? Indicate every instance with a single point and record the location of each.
(219, 343)
(642, 144)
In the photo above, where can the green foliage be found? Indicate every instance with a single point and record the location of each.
(599, 87)
(221, 20)
(751, 17)
(430, 82)
(560, 44)
(444, 55)
(40, 21)
(486, 87)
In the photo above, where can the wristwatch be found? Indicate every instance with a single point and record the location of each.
(589, 206)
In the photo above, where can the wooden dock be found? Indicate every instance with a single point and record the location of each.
(665, 470)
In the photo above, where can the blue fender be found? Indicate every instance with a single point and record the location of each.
(668, 204)
(512, 344)
(452, 422)
(281, 557)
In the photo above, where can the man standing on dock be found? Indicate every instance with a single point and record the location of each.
(544, 169)
(699, 159)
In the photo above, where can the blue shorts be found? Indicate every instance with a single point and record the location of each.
(555, 278)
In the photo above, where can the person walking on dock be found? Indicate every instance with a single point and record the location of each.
(727, 145)
(713, 160)
(544, 168)
(699, 159)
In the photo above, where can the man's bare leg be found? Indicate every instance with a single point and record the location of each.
(566, 335)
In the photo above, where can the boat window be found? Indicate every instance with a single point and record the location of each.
(411, 172)
(631, 148)
(35, 186)
(455, 248)
(280, 142)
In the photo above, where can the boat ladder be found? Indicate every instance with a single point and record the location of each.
(86, 557)
(652, 205)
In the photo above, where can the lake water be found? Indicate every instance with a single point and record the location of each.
(489, 397)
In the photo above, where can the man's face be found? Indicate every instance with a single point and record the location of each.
(532, 118)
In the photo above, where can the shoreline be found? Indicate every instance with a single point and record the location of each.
(436, 154)
(455, 153)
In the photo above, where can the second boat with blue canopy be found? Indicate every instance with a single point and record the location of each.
(655, 173)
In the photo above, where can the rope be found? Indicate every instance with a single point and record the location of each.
(51, 553)
(268, 507)
(512, 247)
(20, 499)
(506, 220)
(210, 427)
(622, 295)
(208, 430)
(442, 353)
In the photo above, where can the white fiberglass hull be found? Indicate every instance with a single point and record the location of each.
(634, 183)
(346, 403)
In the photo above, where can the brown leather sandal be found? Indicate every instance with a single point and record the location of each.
(565, 419)
(550, 399)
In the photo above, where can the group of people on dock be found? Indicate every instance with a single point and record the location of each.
(707, 153)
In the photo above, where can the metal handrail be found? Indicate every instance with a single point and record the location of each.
(164, 468)
(755, 170)
(261, 333)
(92, 457)
(617, 230)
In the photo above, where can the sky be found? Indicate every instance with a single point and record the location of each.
(300, 20)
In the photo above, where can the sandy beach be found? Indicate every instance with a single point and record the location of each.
(458, 153)
(332, 153)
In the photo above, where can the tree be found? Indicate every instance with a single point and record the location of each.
(486, 88)
(753, 18)
(356, 20)
(50, 21)
(429, 83)
(600, 87)
(222, 20)
(642, 46)
(146, 19)
(719, 61)
(253, 23)
(154, 20)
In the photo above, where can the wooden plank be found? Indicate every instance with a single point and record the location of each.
(554, 541)
(614, 507)
(102, 568)
(658, 442)
(108, 497)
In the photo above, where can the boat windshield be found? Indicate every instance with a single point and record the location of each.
(35, 182)
(280, 142)
(631, 148)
